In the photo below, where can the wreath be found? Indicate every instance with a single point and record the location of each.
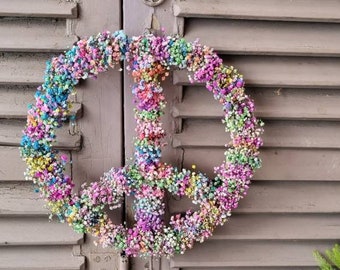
(149, 59)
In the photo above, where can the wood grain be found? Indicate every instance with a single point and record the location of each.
(265, 38)
(40, 258)
(273, 10)
(20, 199)
(286, 134)
(283, 227)
(12, 167)
(11, 134)
(271, 103)
(279, 71)
(265, 254)
(22, 69)
(43, 35)
(281, 197)
(40, 8)
(308, 165)
(14, 101)
(38, 231)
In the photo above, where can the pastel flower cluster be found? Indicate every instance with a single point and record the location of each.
(149, 60)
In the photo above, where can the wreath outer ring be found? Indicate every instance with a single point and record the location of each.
(149, 59)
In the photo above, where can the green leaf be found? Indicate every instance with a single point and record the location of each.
(323, 263)
(334, 255)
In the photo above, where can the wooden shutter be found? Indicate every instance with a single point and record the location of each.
(289, 53)
(32, 31)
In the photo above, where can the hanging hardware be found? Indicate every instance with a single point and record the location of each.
(73, 126)
(153, 3)
(124, 262)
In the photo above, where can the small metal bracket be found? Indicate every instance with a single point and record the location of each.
(124, 262)
(73, 125)
(153, 3)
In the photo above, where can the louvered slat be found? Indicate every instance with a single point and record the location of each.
(271, 103)
(40, 258)
(279, 227)
(38, 231)
(250, 254)
(20, 199)
(43, 35)
(11, 134)
(310, 134)
(276, 10)
(308, 165)
(12, 168)
(309, 72)
(24, 69)
(38, 8)
(14, 102)
(282, 197)
(266, 38)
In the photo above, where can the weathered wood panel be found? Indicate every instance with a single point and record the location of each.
(11, 134)
(20, 199)
(279, 227)
(40, 258)
(309, 134)
(238, 253)
(102, 124)
(282, 197)
(271, 103)
(37, 231)
(308, 165)
(12, 167)
(22, 68)
(15, 99)
(38, 8)
(275, 71)
(43, 35)
(265, 38)
(276, 10)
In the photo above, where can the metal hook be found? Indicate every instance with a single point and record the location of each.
(73, 126)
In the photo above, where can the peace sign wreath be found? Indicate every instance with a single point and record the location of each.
(149, 59)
